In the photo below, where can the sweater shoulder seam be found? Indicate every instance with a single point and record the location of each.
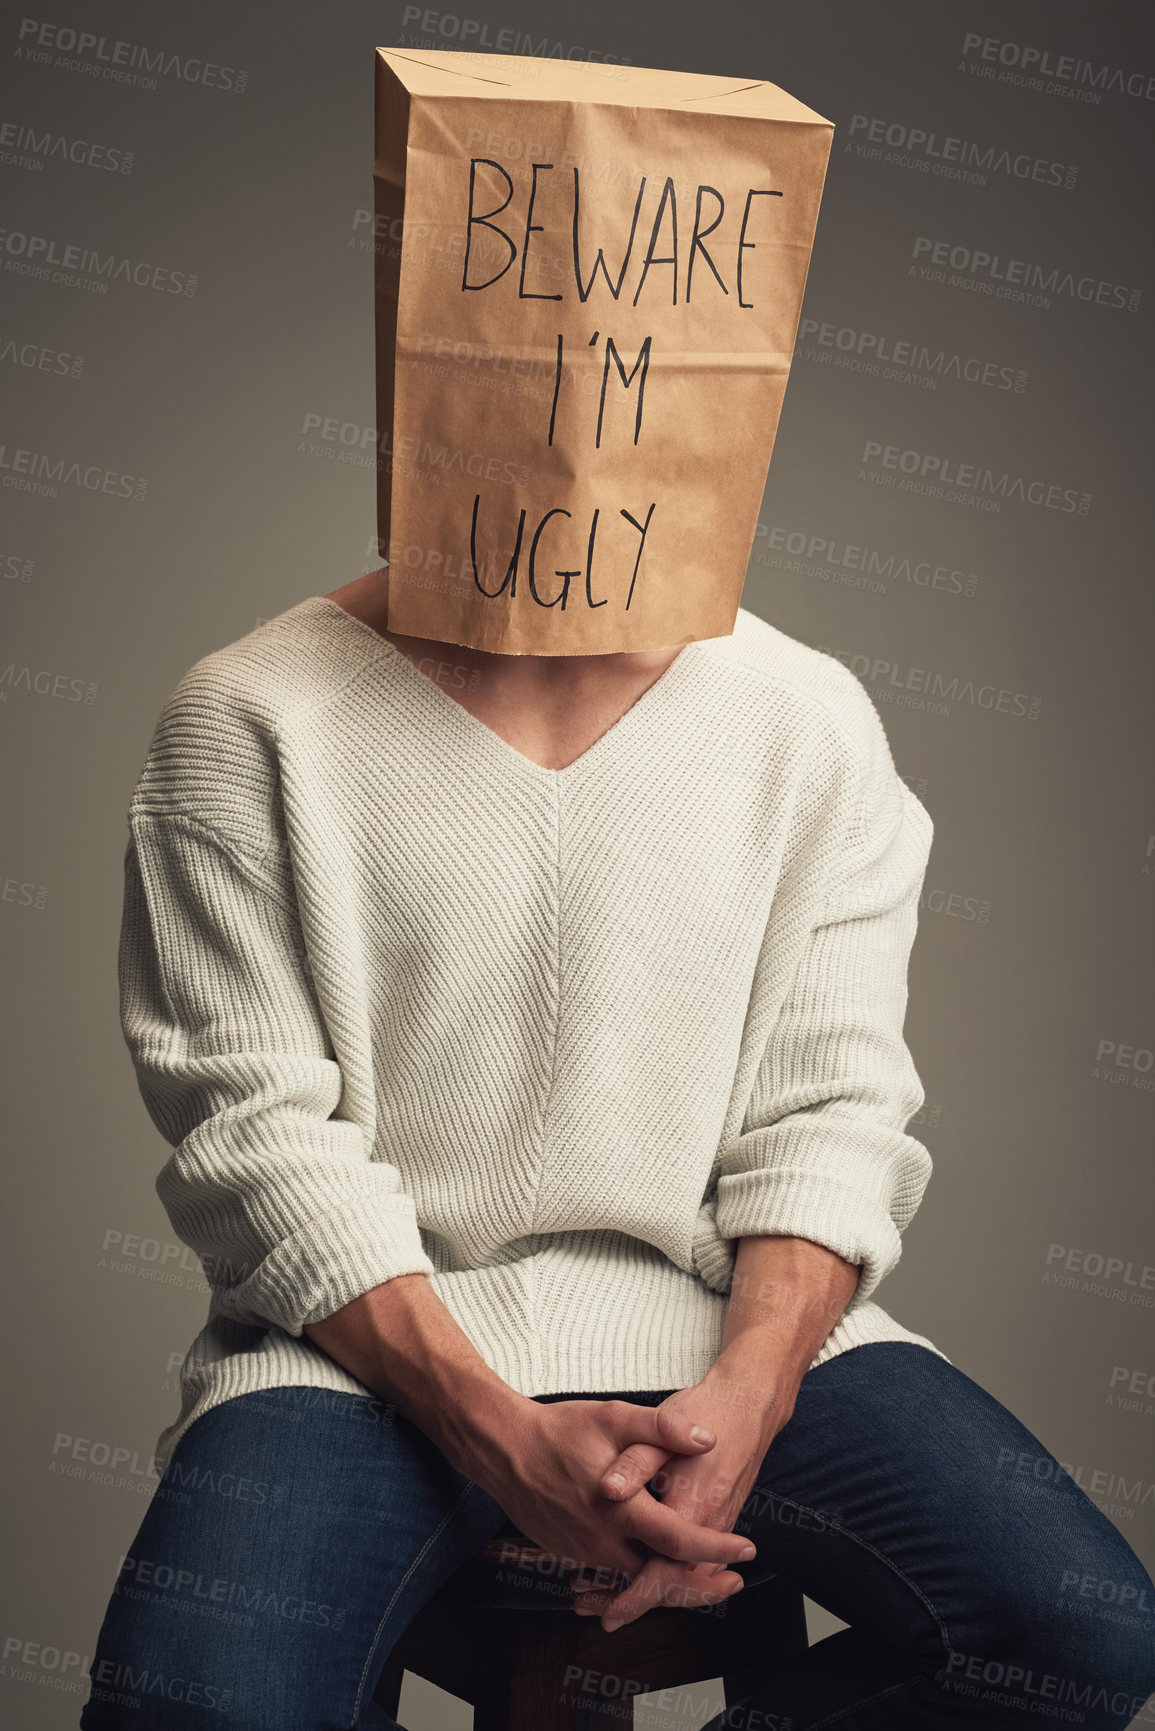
(247, 864)
(858, 744)
(218, 664)
(284, 724)
(303, 711)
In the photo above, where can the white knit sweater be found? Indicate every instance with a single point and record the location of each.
(402, 1000)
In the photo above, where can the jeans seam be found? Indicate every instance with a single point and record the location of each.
(864, 1544)
(431, 1540)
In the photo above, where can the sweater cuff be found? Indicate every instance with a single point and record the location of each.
(796, 1203)
(332, 1260)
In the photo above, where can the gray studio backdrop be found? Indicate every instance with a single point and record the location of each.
(958, 508)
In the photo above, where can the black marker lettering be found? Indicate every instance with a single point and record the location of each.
(669, 194)
(484, 222)
(745, 245)
(641, 528)
(590, 602)
(556, 389)
(511, 572)
(556, 512)
(600, 261)
(699, 236)
(642, 361)
(531, 227)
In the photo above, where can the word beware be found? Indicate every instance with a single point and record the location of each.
(666, 216)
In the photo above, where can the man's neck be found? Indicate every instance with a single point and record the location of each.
(548, 678)
(550, 708)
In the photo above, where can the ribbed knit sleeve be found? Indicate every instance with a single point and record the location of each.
(823, 1153)
(267, 1182)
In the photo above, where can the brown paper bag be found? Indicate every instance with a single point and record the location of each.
(588, 286)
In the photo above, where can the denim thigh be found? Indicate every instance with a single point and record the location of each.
(293, 1536)
(980, 1583)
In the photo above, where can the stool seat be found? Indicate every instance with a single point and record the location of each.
(482, 1637)
(514, 1573)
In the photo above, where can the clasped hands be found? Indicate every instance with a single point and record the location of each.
(592, 1463)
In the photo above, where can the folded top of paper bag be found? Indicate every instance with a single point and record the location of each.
(533, 79)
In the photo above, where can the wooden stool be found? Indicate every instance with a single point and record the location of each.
(489, 1638)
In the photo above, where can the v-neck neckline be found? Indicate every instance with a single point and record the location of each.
(471, 729)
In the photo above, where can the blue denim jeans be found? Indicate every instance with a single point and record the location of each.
(297, 1532)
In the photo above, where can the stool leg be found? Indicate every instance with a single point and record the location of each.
(590, 1719)
(524, 1688)
(387, 1694)
(776, 1623)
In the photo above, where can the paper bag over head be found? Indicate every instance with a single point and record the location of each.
(588, 289)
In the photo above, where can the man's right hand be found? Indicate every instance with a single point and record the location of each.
(541, 1462)
(546, 1476)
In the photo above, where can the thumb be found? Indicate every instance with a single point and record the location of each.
(656, 1433)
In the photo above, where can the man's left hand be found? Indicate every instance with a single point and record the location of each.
(712, 1488)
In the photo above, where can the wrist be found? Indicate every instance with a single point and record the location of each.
(400, 1341)
(475, 1421)
(786, 1296)
(752, 1378)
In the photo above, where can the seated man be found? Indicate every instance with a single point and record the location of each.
(528, 1033)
